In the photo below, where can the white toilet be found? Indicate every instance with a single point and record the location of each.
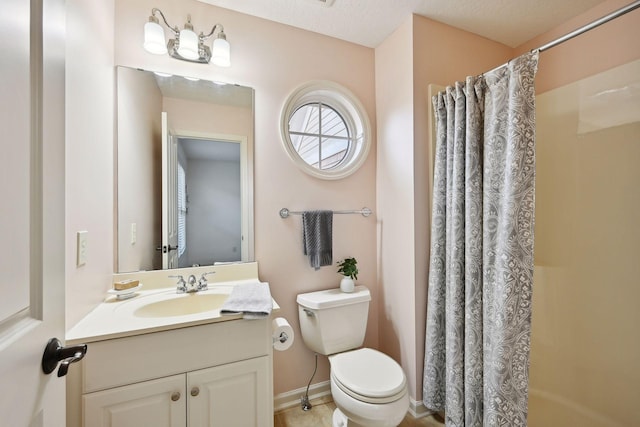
(368, 387)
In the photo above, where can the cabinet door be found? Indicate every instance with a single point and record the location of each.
(157, 403)
(233, 395)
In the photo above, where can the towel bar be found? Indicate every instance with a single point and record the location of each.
(284, 212)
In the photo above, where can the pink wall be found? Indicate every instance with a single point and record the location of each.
(612, 44)
(139, 129)
(419, 53)
(90, 79)
(395, 198)
(274, 59)
(442, 55)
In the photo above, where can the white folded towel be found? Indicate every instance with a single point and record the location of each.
(251, 299)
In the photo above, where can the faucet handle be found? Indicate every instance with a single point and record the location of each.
(181, 285)
(203, 285)
(204, 275)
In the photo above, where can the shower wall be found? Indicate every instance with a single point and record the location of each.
(585, 353)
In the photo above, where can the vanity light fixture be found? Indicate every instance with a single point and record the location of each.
(186, 44)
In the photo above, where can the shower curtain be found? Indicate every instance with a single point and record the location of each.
(481, 265)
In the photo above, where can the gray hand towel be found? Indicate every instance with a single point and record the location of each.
(316, 235)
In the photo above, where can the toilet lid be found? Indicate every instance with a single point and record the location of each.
(368, 375)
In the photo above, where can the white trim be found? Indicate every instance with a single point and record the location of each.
(417, 409)
(291, 398)
(348, 106)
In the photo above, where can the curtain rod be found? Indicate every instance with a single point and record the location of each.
(613, 15)
(590, 26)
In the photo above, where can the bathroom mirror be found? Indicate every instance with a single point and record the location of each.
(184, 172)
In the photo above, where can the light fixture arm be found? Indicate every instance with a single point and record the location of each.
(217, 26)
(175, 29)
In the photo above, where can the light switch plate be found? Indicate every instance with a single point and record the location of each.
(82, 248)
(134, 233)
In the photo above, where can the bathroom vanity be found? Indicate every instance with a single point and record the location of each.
(149, 365)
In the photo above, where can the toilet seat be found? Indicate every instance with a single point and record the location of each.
(368, 376)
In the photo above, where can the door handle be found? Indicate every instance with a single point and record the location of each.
(54, 352)
(164, 249)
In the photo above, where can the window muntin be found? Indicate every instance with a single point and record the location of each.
(320, 135)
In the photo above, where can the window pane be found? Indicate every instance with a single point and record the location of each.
(332, 123)
(309, 150)
(305, 119)
(333, 152)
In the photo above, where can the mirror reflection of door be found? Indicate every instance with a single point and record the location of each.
(169, 196)
(209, 201)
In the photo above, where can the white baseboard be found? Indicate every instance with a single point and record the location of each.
(417, 409)
(291, 398)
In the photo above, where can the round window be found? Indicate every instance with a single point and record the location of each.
(325, 130)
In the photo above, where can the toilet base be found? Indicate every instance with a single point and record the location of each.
(354, 413)
(340, 420)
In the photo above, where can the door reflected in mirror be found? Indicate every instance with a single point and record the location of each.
(184, 172)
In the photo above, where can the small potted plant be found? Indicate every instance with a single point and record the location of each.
(349, 269)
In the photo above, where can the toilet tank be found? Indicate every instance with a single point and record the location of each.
(333, 321)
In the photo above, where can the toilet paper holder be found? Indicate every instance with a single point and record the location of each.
(283, 337)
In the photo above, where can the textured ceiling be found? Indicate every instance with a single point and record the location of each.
(369, 22)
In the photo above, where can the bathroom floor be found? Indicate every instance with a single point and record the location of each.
(322, 410)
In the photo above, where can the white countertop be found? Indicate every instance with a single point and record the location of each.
(115, 318)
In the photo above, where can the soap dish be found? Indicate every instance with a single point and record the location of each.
(125, 293)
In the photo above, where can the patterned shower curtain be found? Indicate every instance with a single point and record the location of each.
(481, 267)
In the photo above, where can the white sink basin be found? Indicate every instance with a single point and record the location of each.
(168, 304)
(182, 305)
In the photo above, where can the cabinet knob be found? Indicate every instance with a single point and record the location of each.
(195, 391)
(175, 396)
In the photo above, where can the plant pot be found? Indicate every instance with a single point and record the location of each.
(347, 285)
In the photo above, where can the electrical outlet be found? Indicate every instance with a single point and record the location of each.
(134, 233)
(82, 248)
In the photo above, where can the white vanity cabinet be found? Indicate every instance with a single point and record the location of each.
(158, 403)
(217, 374)
(230, 395)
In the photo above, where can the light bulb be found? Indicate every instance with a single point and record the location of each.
(154, 38)
(188, 44)
(221, 54)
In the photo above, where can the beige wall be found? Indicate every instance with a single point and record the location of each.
(585, 351)
(584, 356)
(139, 128)
(90, 80)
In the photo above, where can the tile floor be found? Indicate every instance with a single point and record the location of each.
(320, 416)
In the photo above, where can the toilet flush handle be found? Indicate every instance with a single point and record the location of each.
(309, 312)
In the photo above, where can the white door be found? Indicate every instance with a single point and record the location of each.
(157, 403)
(31, 209)
(232, 395)
(169, 196)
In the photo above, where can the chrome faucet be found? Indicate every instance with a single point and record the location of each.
(192, 284)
